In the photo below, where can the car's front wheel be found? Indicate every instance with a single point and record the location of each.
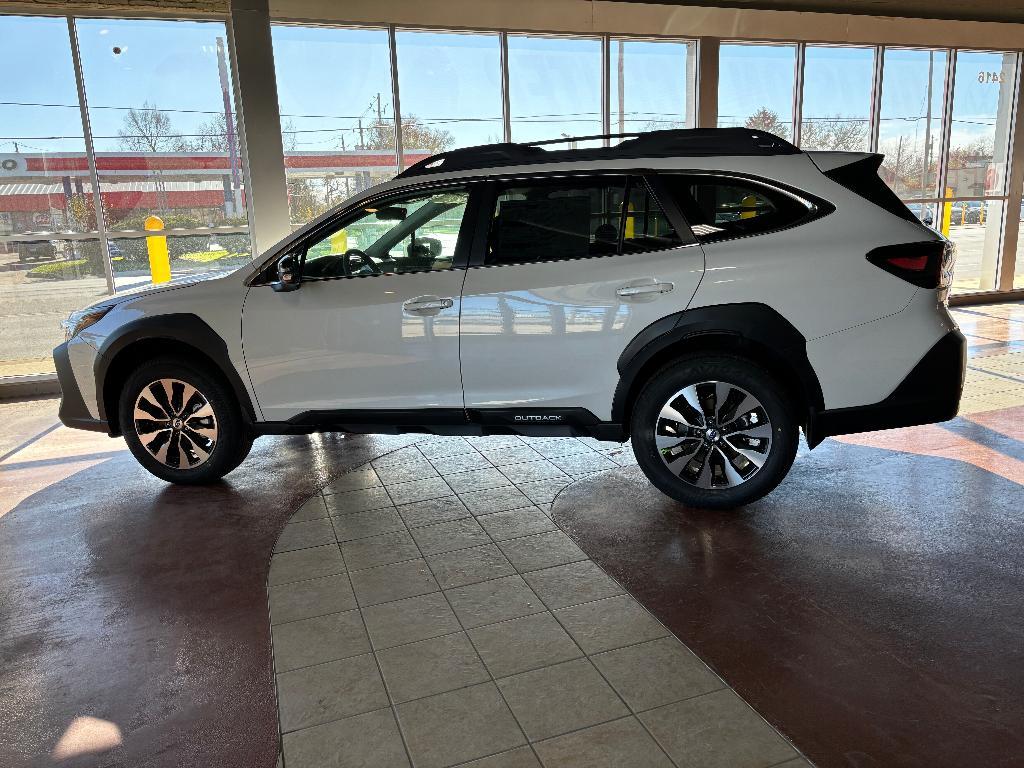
(714, 432)
(182, 423)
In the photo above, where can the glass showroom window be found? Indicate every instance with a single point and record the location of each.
(163, 149)
(337, 114)
(836, 104)
(652, 85)
(978, 163)
(46, 197)
(450, 91)
(755, 87)
(910, 121)
(554, 87)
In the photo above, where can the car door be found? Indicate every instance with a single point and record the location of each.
(567, 278)
(374, 323)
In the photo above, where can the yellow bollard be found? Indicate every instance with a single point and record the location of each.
(947, 214)
(156, 245)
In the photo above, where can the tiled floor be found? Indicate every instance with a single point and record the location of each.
(425, 609)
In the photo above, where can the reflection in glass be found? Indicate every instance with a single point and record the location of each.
(975, 227)
(910, 120)
(337, 116)
(554, 87)
(450, 85)
(652, 85)
(163, 121)
(755, 87)
(837, 98)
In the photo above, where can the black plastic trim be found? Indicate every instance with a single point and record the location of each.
(929, 394)
(73, 411)
(184, 328)
(553, 422)
(745, 322)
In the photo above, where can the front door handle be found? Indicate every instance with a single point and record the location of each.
(644, 289)
(427, 305)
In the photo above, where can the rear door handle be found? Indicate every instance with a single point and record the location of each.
(644, 289)
(427, 305)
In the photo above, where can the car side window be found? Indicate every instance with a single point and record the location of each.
(574, 219)
(718, 208)
(412, 233)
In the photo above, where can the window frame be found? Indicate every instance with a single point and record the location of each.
(494, 186)
(816, 207)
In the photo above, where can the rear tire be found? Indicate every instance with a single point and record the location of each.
(714, 432)
(182, 423)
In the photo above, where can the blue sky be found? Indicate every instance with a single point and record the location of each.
(329, 78)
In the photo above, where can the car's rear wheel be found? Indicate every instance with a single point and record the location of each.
(182, 423)
(714, 432)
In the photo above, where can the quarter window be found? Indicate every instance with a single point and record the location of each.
(557, 220)
(413, 233)
(719, 208)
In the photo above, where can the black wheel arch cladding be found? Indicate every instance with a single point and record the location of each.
(754, 328)
(178, 329)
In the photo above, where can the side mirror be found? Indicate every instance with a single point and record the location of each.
(288, 277)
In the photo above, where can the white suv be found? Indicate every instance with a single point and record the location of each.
(705, 292)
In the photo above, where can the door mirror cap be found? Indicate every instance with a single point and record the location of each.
(288, 276)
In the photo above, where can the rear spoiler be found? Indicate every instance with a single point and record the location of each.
(829, 161)
(858, 172)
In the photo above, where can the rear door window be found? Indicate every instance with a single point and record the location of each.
(558, 219)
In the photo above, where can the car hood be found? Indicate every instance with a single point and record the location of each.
(148, 290)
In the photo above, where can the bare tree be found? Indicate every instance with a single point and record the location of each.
(834, 133)
(415, 135)
(148, 129)
(767, 120)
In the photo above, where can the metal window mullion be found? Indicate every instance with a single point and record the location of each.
(947, 124)
(396, 107)
(798, 92)
(90, 154)
(506, 113)
(1014, 189)
(606, 106)
(877, 82)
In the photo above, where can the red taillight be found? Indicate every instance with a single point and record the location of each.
(913, 263)
(921, 264)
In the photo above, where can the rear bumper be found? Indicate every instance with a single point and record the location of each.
(929, 394)
(73, 411)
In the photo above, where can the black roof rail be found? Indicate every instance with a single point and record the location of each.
(682, 142)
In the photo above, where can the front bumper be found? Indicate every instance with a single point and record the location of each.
(929, 394)
(73, 411)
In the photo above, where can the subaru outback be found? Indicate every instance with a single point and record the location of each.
(705, 293)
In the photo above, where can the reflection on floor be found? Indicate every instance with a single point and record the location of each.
(869, 608)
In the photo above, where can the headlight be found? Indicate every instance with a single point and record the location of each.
(82, 319)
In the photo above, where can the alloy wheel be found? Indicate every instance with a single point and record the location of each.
(175, 423)
(713, 434)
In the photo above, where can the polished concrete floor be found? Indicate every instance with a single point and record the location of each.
(869, 609)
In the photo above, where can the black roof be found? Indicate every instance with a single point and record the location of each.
(689, 142)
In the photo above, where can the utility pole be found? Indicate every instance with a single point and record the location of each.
(229, 129)
(380, 114)
(622, 87)
(361, 143)
(928, 128)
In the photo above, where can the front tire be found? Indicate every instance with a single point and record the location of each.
(182, 423)
(714, 432)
